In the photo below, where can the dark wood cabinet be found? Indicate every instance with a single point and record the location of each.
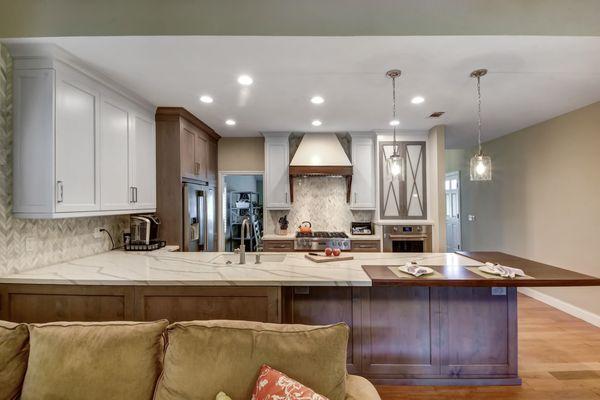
(47, 303)
(478, 332)
(401, 331)
(327, 305)
(398, 334)
(213, 164)
(203, 303)
(366, 246)
(186, 150)
(278, 245)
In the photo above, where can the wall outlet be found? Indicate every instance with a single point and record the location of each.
(498, 291)
(471, 218)
(97, 233)
(30, 244)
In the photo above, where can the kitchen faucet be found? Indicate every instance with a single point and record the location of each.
(243, 233)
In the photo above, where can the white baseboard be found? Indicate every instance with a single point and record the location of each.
(569, 308)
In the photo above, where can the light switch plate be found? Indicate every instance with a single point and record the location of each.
(498, 291)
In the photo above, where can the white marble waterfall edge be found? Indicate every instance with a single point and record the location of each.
(164, 267)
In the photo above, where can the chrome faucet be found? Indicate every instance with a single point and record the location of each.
(243, 233)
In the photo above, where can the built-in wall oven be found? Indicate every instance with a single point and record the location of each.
(407, 238)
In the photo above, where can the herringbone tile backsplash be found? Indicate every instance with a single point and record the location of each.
(52, 241)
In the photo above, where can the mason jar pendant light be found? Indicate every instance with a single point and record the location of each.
(481, 165)
(394, 161)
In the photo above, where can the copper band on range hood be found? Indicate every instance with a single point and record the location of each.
(321, 170)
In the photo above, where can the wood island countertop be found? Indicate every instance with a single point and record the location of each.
(538, 274)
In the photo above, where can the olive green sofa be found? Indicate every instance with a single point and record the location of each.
(185, 360)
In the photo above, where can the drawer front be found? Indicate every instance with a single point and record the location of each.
(366, 246)
(278, 245)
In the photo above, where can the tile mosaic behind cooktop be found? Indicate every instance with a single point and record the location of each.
(322, 201)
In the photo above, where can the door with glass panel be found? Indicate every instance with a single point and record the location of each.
(452, 186)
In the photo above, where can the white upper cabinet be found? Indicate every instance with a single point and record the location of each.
(81, 147)
(114, 156)
(143, 157)
(363, 196)
(277, 162)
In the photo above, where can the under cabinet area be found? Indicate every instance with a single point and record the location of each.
(82, 146)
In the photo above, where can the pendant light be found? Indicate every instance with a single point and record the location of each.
(481, 165)
(394, 161)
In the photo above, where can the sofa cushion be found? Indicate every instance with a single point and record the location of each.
(14, 348)
(205, 357)
(358, 388)
(273, 384)
(103, 360)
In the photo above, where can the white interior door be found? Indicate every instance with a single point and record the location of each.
(453, 237)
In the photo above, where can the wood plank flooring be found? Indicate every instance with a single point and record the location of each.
(559, 359)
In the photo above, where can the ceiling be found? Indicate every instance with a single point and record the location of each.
(531, 79)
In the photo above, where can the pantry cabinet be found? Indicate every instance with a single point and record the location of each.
(277, 162)
(362, 196)
(82, 147)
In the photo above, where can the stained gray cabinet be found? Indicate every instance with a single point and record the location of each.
(403, 196)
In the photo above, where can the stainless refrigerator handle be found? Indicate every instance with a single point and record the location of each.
(186, 218)
(60, 192)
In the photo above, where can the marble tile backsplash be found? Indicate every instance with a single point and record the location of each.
(322, 201)
(50, 241)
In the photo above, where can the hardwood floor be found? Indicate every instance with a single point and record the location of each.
(559, 359)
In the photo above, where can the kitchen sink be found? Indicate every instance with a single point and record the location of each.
(227, 259)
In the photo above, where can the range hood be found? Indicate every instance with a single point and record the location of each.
(320, 154)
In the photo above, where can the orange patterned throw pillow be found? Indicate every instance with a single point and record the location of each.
(275, 385)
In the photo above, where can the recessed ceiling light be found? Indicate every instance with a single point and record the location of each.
(206, 99)
(245, 80)
(394, 122)
(316, 122)
(317, 100)
(230, 122)
(417, 100)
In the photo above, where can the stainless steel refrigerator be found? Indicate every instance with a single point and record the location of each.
(199, 217)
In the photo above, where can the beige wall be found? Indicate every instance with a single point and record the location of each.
(294, 17)
(544, 200)
(242, 154)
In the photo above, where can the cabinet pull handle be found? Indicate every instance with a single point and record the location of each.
(286, 197)
(131, 195)
(136, 193)
(355, 197)
(61, 192)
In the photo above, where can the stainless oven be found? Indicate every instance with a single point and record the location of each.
(407, 238)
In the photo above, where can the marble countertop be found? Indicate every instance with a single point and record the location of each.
(165, 267)
(292, 236)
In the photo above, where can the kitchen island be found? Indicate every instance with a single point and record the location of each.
(403, 331)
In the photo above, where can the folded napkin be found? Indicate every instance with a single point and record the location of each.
(414, 269)
(502, 270)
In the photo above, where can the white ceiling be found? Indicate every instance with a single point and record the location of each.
(531, 79)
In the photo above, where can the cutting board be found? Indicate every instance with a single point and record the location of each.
(324, 259)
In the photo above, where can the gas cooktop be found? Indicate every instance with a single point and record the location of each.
(322, 234)
(320, 240)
